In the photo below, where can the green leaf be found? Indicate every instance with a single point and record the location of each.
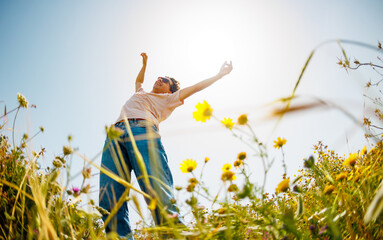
(300, 206)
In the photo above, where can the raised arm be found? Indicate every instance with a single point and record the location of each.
(141, 74)
(188, 91)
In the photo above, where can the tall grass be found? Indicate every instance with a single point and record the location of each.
(33, 202)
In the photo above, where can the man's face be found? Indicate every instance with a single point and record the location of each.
(162, 85)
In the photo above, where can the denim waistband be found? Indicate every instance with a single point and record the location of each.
(136, 122)
(131, 120)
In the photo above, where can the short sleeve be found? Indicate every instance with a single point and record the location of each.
(174, 100)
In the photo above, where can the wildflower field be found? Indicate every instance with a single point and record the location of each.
(332, 197)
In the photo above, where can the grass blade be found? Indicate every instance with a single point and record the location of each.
(376, 206)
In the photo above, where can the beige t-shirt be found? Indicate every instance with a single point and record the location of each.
(154, 107)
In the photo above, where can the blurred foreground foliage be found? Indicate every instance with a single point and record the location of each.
(34, 203)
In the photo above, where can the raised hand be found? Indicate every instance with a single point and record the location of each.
(188, 91)
(141, 74)
(144, 58)
(225, 69)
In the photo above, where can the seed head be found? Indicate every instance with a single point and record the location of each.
(57, 163)
(67, 150)
(22, 100)
(86, 172)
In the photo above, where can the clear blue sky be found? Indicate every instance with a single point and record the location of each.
(77, 61)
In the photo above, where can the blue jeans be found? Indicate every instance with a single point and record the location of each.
(157, 169)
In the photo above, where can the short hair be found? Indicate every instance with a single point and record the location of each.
(175, 85)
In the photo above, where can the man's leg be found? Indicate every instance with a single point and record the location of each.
(111, 191)
(156, 163)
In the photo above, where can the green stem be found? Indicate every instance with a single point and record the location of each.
(13, 127)
(283, 161)
(262, 154)
(29, 139)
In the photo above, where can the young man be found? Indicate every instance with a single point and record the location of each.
(144, 111)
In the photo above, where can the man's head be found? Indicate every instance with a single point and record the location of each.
(166, 85)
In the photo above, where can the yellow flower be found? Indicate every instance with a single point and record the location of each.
(279, 142)
(204, 111)
(241, 155)
(364, 151)
(228, 122)
(341, 176)
(188, 165)
(22, 100)
(226, 167)
(351, 160)
(207, 159)
(228, 176)
(328, 189)
(283, 185)
(238, 163)
(242, 120)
